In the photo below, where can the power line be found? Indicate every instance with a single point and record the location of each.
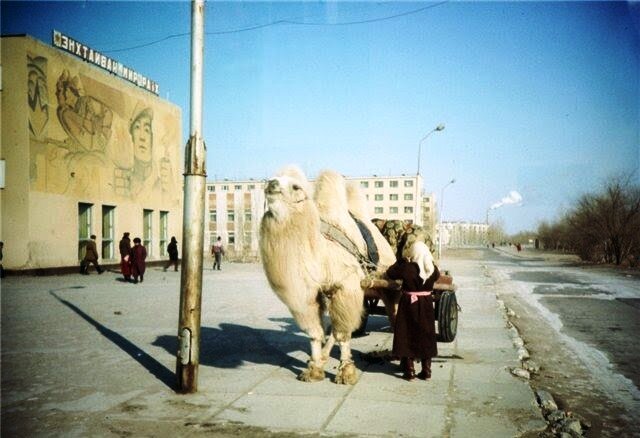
(281, 22)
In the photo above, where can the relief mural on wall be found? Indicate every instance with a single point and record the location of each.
(92, 140)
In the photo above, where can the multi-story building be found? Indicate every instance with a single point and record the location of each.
(84, 151)
(234, 209)
(457, 234)
(393, 197)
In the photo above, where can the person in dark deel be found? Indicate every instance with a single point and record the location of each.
(138, 257)
(414, 334)
(172, 250)
(125, 256)
(91, 256)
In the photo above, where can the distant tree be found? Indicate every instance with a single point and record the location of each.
(496, 233)
(605, 226)
(522, 237)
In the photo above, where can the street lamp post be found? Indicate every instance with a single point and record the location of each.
(440, 127)
(440, 217)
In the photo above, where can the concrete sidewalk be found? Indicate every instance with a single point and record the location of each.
(94, 356)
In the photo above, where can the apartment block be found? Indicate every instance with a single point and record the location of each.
(234, 209)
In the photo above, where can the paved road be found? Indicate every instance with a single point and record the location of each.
(582, 324)
(93, 356)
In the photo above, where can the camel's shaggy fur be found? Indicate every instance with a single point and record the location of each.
(311, 273)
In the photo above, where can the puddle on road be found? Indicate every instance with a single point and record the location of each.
(570, 290)
(543, 277)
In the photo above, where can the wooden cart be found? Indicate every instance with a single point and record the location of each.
(388, 291)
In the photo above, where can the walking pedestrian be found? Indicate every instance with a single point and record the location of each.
(172, 250)
(125, 256)
(138, 257)
(414, 333)
(217, 250)
(1, 267)
(91, 256)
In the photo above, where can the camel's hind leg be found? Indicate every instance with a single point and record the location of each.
(347, 371)
(346, 310)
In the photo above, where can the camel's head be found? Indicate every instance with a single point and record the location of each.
(287, 191)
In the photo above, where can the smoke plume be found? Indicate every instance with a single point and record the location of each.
(513, 198)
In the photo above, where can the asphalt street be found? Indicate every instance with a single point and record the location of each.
(580, 322)
(94, 356)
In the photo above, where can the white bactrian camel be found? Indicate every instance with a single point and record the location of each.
(312, 273)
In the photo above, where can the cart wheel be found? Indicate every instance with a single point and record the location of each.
(447, 316)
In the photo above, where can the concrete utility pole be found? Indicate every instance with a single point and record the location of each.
(195, 177)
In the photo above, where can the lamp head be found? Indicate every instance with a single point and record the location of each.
(440, 127)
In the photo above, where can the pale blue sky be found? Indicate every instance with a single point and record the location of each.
(538, 97)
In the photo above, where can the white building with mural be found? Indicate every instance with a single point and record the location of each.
(88, 148)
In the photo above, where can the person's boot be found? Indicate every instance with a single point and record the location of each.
(407, 366)
(426, 369)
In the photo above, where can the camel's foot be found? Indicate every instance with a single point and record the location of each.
(312, 374)
(347, 373)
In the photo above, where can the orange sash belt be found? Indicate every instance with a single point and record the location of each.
(415, 295)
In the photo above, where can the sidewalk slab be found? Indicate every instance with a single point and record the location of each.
(94, 356)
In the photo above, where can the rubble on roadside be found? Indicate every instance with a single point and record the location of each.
(560, 423)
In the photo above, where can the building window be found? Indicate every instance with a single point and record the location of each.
(393, 183)
(147, 230)
(378, 197)
(225, 188)
(378, 210)
(232, 238)
(393, 197)
(238, 187)
(247, 215)
(408, 183)
(393, 210)
(213, 216)
(408, 196)
(364, 184)
(408, 210)
(107, 231)
(164, 232)
(211, 188)
(231, 216)
(251, 187)
(84, 227)
(378, 184)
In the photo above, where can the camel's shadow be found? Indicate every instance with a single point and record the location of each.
(232, 345)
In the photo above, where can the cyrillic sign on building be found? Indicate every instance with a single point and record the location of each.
(96, 58)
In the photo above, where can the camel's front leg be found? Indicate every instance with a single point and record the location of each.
(315, 368)
(347, 371)
(311, 322)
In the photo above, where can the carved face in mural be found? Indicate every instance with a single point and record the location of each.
(38, 94)
(142, 135)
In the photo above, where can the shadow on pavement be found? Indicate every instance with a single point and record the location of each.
(232, 345)
(153, 366)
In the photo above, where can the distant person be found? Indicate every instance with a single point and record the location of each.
(91, 257)
(1, 268)
(125, 256)
(172, 250)
(217, 250)
(414, 333)
(138, 257)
